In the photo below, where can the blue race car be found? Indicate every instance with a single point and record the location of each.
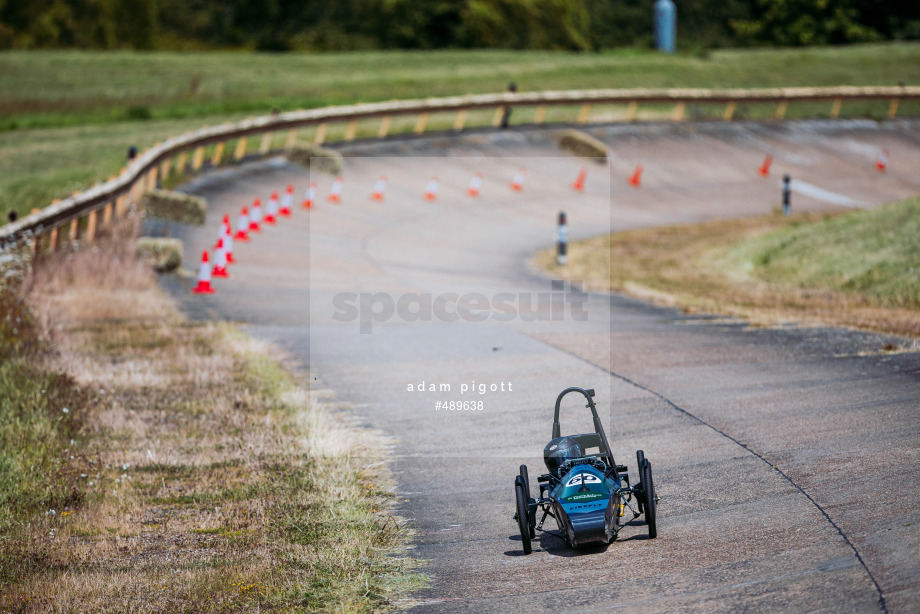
(585, 490)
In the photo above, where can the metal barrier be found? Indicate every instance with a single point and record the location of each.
(80, 215)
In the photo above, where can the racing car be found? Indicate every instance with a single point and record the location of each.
(586, 491)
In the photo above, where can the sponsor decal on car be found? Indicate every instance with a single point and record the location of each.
(585, 496)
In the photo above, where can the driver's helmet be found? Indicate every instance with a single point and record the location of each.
(559, 450)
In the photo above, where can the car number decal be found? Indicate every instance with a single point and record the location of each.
(589, 479)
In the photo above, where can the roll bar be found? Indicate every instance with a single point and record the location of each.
(598, 426)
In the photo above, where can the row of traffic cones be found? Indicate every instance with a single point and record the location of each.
(378, 194)
(249, 221)
(881, 163)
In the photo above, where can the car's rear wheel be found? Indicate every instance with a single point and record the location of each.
(523, 517)
(649, 502)
(531, 519)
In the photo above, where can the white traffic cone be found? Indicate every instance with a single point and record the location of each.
(204, 276)
(220, 261)
(287, 201)
(431, 191)
(242, 226)
(271, 209)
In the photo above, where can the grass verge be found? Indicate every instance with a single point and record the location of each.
(855, 269)
(191, 473)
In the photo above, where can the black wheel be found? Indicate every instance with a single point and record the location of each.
(526, 478)
(532, 520)
(640, 463)
(523, 517)
(649, 503)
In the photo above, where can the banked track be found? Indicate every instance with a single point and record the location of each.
(787, 459)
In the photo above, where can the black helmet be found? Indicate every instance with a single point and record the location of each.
(560, 450)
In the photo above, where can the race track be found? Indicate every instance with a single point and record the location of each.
(787, 459)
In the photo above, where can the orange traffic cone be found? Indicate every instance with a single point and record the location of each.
(335, 192)
(517, 184)
(431, 190)
(380, 189)
(475, 184)
(242, 226)
(271, 209)
(309, 196)
(228, 243)
(220, 261)
(636, 179)
(287, 201)
(579, 185)
(204, 276)
(255, 216)
(764, 169)
(882, 162)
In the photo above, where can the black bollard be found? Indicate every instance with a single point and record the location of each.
(562, 240)
(506, 110)
(132, 153)
(787, 194)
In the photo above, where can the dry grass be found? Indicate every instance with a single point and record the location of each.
(211, 480)
(683, 266)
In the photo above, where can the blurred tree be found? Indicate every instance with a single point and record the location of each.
(135, 23)
(527, 24)
(805, 22)
(575, 25)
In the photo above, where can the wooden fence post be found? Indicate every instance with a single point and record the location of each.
(198, 159)
(90, 233)
(781, 109)
(291, 139)
(835, 109)
(107, 215)
(497, 118)
(893, 108)
(678, 113)
(421, 123)
(540, 115)
(351, 130)
(729, 111)
(384, 127)
(218, 154)
(631, 111)
(460, 120)
(53, 241)
(320, 136)
(266, 144)
(240, 149)
(584, 114)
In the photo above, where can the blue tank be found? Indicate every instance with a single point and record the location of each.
(665, 25)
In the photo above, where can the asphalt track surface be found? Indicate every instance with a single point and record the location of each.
(787, 459)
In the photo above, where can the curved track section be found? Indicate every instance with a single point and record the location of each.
(786, 459)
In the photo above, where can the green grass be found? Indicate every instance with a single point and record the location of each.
(67, 87)
(873, 254)
(856, 269)
(41, 415)
(68, 117)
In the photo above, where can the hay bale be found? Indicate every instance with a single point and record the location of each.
(583, 145)
(316, 158)
(164, 255)
(175, 207)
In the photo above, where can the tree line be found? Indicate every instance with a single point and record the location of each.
(333, 25)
